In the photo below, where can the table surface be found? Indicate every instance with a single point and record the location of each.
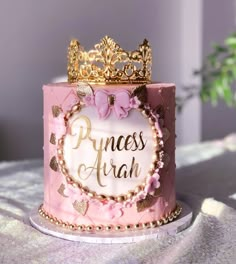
(206, 180)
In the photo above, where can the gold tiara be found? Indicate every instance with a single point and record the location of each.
(108, 63)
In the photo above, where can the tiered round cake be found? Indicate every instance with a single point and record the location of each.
(109, 143)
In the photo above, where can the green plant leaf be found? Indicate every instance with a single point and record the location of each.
(228, 95)
(231, 41)
(213, 96)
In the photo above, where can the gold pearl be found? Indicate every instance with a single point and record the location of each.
(98, 228)
(154, 157)
(68, 115)
(130, 194)
(108, 228)
(61, 162)
(75, 185)
(118, 227)
(152, 166)
(120, 198)
(151, 120)
(64, 170)
(147, 112)
(138, 189)
(155, 136)
(85, 189)
(79, 185)
(69, 180)
(165, 221)
(101, 196)
(112, 198)
(76, 108)
(89, 228)
(128, 227)
(60, 152)
(91, 194)
(153, 224)
(146, 225)
(61, 141)
(80, 227)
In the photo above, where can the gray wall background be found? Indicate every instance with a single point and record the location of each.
(34, 37)
(33, 43)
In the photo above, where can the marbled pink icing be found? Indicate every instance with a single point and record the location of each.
(64, 95)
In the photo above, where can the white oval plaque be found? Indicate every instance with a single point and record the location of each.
(110, 156)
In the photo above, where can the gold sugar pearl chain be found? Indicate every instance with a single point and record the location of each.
(91, 228)
(157, 156)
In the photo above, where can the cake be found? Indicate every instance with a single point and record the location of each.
(109, 143)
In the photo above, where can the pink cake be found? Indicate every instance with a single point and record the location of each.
(109, 149)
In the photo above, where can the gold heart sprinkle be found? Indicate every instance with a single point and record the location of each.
(61, 190)
(81, 206)
(159, 109)
(166, 160)
(53, 163)
(157, 192)
(146, 203)
(141, 93)
(56, 110)
(53, 139)
(83, 89)
(166, 134)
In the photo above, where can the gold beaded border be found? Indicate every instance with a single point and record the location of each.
(90, 228)
(146, 111)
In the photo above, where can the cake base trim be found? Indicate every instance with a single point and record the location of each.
(91, 228)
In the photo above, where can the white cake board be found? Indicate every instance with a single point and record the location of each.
(172, 228)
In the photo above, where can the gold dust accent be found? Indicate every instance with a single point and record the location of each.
(112, 228)
(166, 160)
(108, 63)
(81, 206)
(53, 139)
(166, 134)
(157, 192)
(141, 93)
(53, 163)
(56, 110)
(146, 112)
(61, 190)
(144, 204)
(159, 109)
(83, 89)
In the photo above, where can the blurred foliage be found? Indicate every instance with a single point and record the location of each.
(218, 75)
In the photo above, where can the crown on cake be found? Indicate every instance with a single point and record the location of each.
(108, 63)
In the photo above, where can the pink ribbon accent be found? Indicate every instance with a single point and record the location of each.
(121, 104)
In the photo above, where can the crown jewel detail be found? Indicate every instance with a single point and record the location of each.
(108, 63)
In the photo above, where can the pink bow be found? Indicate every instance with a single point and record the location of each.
(120, 103)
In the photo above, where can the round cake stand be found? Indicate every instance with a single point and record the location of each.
(172, 228)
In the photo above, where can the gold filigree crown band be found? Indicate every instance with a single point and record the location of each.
(108, 63)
